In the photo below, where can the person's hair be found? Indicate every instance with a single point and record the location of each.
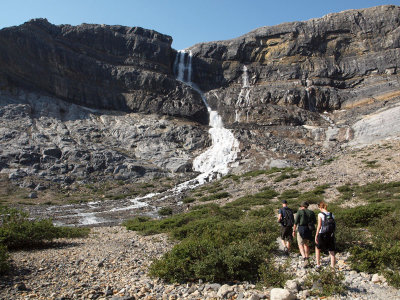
(323, 205)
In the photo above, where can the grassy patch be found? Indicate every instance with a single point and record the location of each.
(216, 196)
(309, 179)
(261, 198)
(371, 164)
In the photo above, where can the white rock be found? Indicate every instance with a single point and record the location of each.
(224, 290)
(281, 294)
(376, 278)
(292, 286)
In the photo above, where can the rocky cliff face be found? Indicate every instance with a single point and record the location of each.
(272, 84)
(99, 66)
(102, 102)
(338, 61)
(47, 139)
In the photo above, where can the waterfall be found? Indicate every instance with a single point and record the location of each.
(224, 147)
(212, 163)
(243, 99)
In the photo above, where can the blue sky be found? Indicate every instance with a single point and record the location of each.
(188, 22)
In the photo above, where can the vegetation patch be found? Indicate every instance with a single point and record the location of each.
(17, 231)
(165, 211)
(371, 163)
(215, 196)
(261, 198)
(325, 283)
(220, 244)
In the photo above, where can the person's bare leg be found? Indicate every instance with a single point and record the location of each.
(306, 250)
(333, 258)
(318, 256)
(301, 248)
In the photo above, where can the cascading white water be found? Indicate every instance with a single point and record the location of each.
(243, 99)
(224, 148)
(213, 162)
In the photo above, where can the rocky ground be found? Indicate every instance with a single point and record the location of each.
(112, 263)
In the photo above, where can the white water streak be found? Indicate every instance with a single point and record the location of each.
(224, 147)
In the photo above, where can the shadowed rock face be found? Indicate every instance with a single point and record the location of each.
(106, 67)
(338, 61)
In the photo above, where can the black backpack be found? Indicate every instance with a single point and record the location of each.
(329, 225)
(287, 217)
(310, 220)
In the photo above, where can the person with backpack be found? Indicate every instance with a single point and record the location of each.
(286, 218)
(305, 224)
(325, 234)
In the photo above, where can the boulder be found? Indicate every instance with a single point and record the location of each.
(224, 290)
(281, 294)
(376, 278)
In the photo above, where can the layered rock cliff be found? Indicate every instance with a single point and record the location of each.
(273, 85)
(335, 62)
(103, 102)
(106, 67)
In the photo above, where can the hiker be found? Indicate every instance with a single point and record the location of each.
(304, 223)
(285, 217)
(325, 234)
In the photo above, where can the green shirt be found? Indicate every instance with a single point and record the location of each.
(304, 216)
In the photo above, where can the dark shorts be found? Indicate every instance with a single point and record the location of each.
(305, 232)
(326, 242)
(286, 233)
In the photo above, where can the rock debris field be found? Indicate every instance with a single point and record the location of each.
(112, 263)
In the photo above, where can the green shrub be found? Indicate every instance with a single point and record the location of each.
(216, 254)
(217, 243)
(17, 231)
(327, 282)
(271, 275)
(289, 194)
(282, 177)
(4, 266)
(362, 216)
(382, 253)
(188, 200)
(260, 198)
(309, 179)
(165, 211)
(347, 236)
(215, 196)
(235, 178)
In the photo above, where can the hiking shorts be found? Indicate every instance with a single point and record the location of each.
(326, 242)
(286, 233)
(304, 234)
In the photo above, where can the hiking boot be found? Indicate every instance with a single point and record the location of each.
(318, 268)
(286, 251)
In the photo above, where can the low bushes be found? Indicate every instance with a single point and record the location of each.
(17, 231)
(3, 259)
(326, 282)
(212, 259)
(382, 253)
(217, 244)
